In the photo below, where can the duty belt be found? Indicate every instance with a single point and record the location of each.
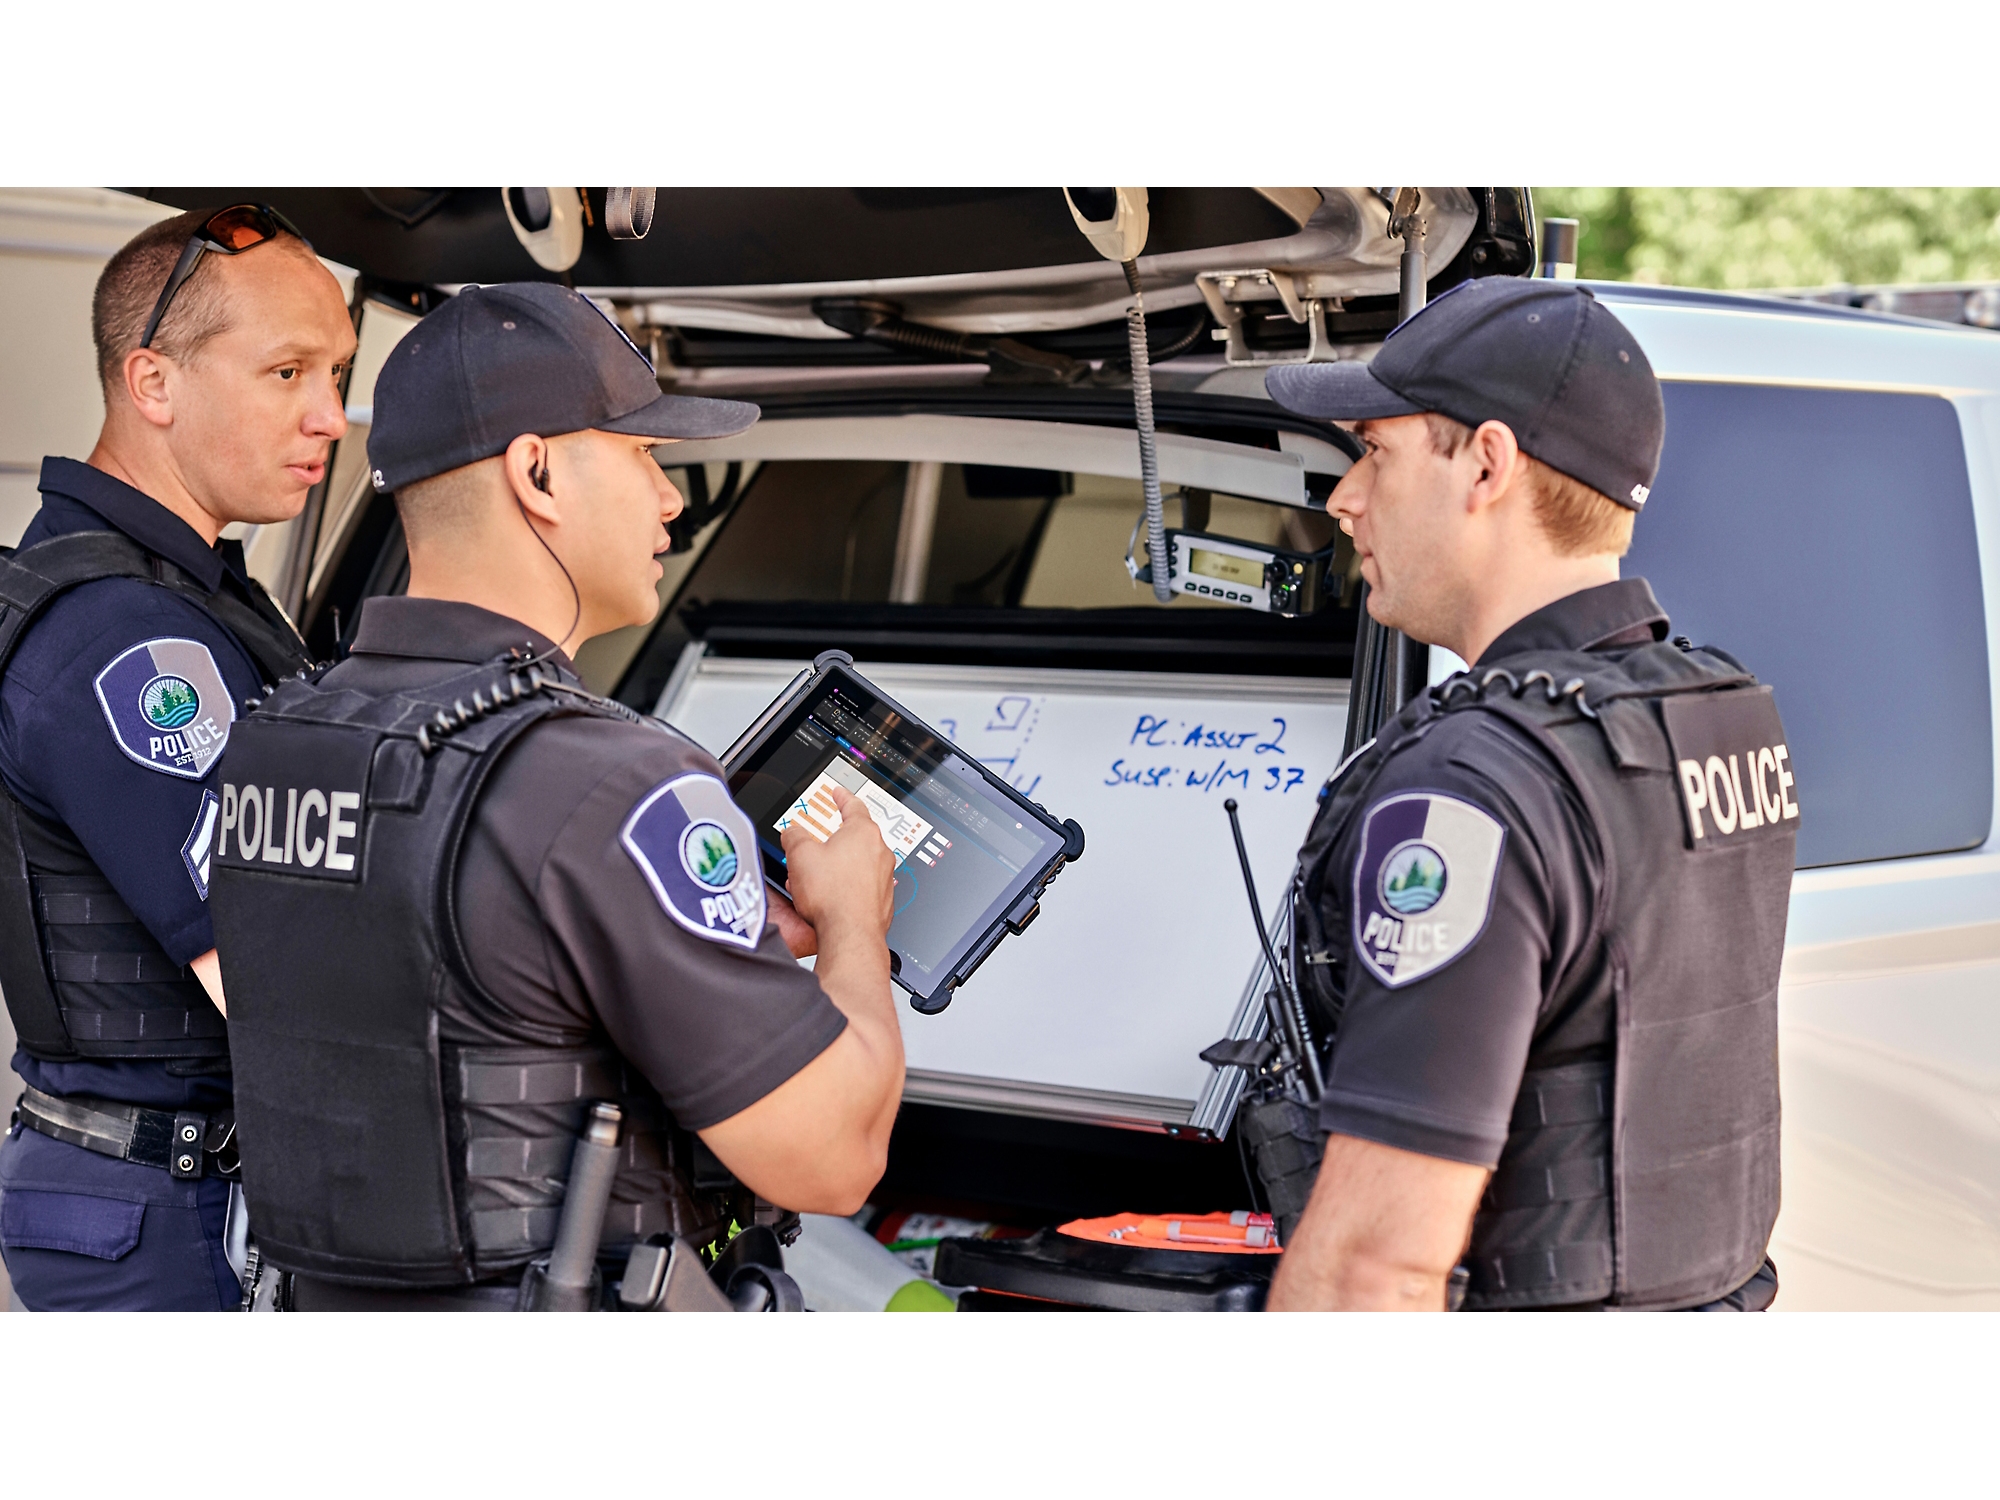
(186, 1145)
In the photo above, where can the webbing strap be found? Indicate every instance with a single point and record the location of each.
(1541, 1270)
(164, 1024)
(520, 1156)
(557, 1081)
(114, 968)
(1537, 1187)
(98, 908)
(106, 1129)
(498, 1232)
(1562, 1098)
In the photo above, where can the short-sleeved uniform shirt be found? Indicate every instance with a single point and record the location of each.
(578, 920)
(74, 759)
(1430, 1055)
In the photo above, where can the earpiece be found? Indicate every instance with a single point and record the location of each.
(539, 477)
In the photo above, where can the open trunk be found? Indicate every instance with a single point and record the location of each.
(956, 511)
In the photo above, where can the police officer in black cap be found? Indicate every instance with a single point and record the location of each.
(1540, 915)
(461, 897)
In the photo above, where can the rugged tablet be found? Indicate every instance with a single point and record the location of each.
(972, 854)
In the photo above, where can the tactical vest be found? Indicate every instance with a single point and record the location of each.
(1648, 1178)
(83, 977)
(374, 1151)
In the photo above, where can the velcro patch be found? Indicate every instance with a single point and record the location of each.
(167, 706)
(1733, 767)
(698, 852)
(295, 801)
(197, 852)
(1423, 883)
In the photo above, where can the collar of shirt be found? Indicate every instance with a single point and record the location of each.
(140, 517)
(1624, 613)
(445, 630)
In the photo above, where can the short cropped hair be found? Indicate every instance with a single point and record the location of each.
(1578, 520)
(131, 283)
(444, 502)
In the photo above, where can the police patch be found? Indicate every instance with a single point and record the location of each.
(167, 706)
(1423, 883)
(698, 852)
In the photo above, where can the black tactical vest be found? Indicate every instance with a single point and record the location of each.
(374, 1151)
(83, 977)
(1648, 1178)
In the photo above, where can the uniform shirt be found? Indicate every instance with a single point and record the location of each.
(562, 926)
(1432, 1064)
(60, 754)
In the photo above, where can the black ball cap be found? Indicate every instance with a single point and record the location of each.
(1545, 357)
(525, 357)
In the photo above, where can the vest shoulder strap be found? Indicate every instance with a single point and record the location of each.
(32, 580)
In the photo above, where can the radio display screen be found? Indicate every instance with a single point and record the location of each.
(1226, 566)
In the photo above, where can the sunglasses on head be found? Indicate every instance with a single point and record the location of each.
(228, 231)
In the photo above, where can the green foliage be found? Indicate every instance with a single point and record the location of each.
(170, 702)
(1781, 237)
(1419, 872)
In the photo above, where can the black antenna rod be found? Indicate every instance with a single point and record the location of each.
(1288, 1010)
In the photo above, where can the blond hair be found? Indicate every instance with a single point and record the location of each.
(1578, 520)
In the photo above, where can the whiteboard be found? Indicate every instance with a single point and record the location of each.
(1144, 947)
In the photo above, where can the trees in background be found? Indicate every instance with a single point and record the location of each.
(1781, 237)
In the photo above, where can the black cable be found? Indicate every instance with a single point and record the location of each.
(574, 593)
(1186, 341)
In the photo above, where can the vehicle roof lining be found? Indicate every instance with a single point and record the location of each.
(749, 236)
(1202, 463)
(993, 261)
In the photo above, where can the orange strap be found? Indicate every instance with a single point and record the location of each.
(1238, 1233)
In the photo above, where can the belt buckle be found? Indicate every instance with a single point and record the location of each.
(184, 1151)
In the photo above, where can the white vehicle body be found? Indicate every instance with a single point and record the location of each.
(1889, 1046)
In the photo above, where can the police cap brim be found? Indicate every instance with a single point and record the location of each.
(685, 417)
(1345, 391)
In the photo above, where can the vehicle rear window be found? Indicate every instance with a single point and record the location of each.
(827, 530)
(1826, 539)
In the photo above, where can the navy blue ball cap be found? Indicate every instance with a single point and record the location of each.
(1545, 357)
(526, 357)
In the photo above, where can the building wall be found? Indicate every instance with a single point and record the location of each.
(53, 244)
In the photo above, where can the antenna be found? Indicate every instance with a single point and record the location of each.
(1290, 1015)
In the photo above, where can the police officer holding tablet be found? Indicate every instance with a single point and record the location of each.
(130, 640)
(1541, 914)
(460, 896)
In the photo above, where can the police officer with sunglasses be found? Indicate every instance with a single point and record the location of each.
(131, 639)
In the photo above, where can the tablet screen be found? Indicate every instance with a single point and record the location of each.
(964, 850)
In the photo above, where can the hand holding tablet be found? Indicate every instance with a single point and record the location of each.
(972, 855)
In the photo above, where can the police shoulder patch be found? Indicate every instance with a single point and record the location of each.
(167, 706)
(1423, 883)
(698, 852)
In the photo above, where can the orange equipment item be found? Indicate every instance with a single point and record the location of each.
(1238, 1233)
